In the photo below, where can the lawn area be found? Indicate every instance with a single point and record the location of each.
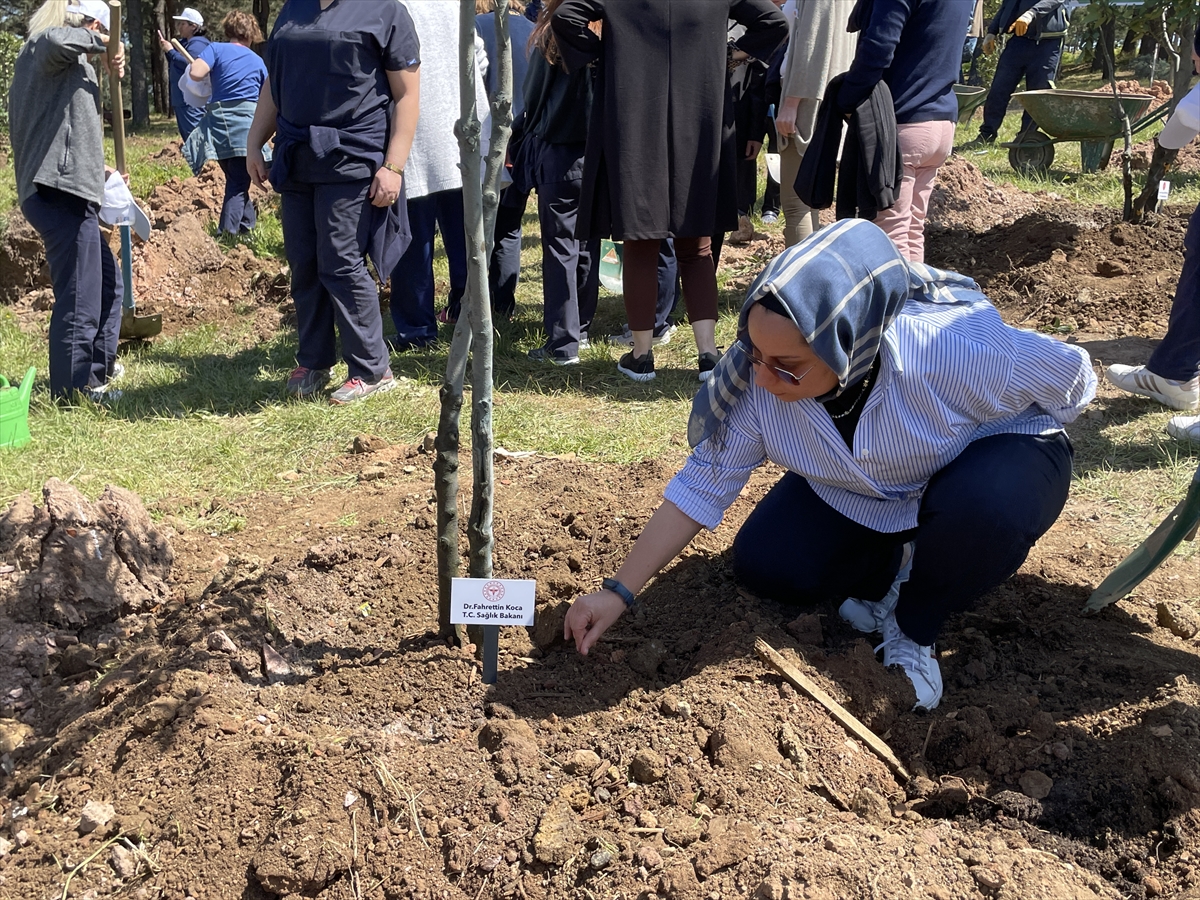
(204, 419)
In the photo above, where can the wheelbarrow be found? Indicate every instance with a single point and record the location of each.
(1090, 118)
(970, 98)
(1179, 526)
(14, 411)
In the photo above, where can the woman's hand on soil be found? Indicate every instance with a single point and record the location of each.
(256, 166)
(385, 189)
(590, 616)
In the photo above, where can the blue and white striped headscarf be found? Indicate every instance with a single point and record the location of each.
(842, 286)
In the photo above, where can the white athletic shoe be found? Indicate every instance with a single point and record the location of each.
(1185, 428)
(918, 663)
(1184, 395)
(867, 616)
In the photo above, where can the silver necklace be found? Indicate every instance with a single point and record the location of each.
(862, 392)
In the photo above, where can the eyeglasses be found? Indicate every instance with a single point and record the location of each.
(782, 374)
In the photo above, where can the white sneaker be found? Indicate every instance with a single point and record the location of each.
(867, 616)
(1185, 428)
(918, 663)
(1139, 380)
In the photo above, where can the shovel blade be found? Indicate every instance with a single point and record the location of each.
(135, 327)
(1180, 525)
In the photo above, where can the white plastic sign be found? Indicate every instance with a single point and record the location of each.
(492, 601)
(1164, 191)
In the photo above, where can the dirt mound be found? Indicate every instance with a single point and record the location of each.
(1065, 268)
(1187, 160)
(1159, 90)
(201, 196)
(963, 199)
(22, 259)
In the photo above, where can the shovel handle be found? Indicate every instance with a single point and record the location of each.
(183, 50)
(118, 101)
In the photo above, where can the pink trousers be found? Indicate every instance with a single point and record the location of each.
(924, 146)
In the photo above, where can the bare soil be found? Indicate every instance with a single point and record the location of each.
(271, 713)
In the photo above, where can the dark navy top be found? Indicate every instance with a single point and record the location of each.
(237, 73)
(329, 67)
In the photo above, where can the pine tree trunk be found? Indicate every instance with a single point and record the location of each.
(162, 87)
(135, 25)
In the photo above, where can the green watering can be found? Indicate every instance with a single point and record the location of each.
(14, 411)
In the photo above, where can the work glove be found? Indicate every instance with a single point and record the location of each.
(989, 44)
(1022, 24)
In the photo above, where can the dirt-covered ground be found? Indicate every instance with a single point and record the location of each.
(270, 714)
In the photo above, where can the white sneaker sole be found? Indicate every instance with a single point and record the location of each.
(637, 376)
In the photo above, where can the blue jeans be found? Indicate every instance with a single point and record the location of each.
(412, 280)
(85, 325)
(1034, 61)
(325, 234)
(1178, 356)
(978, 519)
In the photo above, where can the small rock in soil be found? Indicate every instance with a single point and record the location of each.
(558, 834)
(220, 642)
(646, 659)
(13, 734)
(1153, 886)
(1111, 268)
(647, 767)
(368, 443)
(581, 762)
(95, 815)
(1178, 618)
(871, 807)
(770, 889)
(679, 882)
(987, 878)
(124, 863)
(739, 745)
(807, 629)
(274, 666)
(601, 859)
(1036, 785)
(792, 747)
(1018, 806)
(427, 445)
(373, 473)
(6, 847)
(728, 844)
(649, 858)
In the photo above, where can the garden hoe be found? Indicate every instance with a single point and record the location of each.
(1180, 525)
(133, 326)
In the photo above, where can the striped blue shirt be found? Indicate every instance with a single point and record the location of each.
(948, 375)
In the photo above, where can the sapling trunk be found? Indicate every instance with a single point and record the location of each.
(1127, 213)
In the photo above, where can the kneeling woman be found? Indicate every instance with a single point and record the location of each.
(922, 437)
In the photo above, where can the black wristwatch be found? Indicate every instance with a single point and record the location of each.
(611, 584)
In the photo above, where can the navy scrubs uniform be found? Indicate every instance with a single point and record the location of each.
(186, 117)
(328, 74)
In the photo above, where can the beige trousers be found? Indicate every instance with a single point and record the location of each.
(799, 220)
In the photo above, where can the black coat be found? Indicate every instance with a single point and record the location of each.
(659, 162)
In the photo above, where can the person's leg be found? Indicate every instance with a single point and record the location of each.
(747, 181)
(588, 290)
(237, 211)
(412, 279)
(699, 277)
(1009, 71)
(108, 332)
(72, 237)
(558, 204)
(794, 547)
(342, 211)
(979, 518)
(1039, 72)
(936, 144)
(800, 220)
(1178, 356)
(451, 224)
(505, 269)
(668, 287)
(314, 310)
(639, 276)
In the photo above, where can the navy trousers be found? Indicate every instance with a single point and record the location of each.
(412, 280)
(1178, 356)
(85, 325)
(504, 269)
(237, 213)
(325, 234)
(978, 519)
(1036, 62)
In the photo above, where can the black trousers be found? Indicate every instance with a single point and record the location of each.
(979, 518)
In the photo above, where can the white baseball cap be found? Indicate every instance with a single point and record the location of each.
(190, 15)
(93, 9)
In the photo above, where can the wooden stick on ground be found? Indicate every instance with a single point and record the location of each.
(856, 728)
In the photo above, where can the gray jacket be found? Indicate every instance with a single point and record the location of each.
(54, 115)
